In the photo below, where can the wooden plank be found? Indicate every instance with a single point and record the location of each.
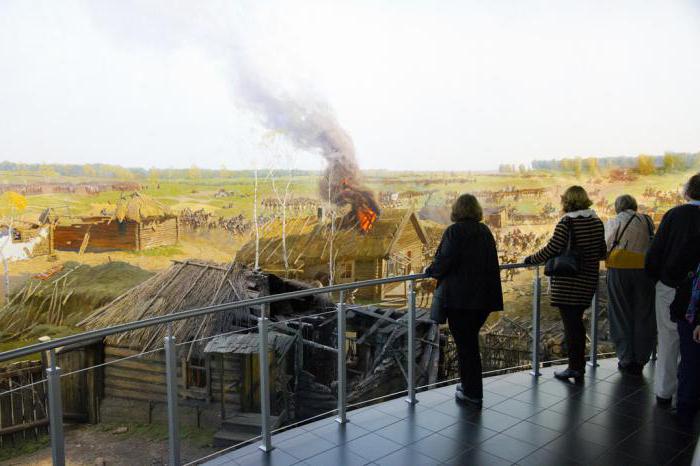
(371, 330)
(138, 376)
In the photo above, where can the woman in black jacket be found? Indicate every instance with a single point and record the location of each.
(469, 288)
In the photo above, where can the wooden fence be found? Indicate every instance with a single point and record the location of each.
(23, 413)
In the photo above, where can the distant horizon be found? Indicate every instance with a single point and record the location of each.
(495, 170)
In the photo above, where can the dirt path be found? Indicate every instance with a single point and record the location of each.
(92, 445)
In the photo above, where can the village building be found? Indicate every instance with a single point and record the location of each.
(496, 217)
(395, 245)
(28, 240)
(135, 223)
(218, 376)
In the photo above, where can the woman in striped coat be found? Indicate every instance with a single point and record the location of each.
(573, 295)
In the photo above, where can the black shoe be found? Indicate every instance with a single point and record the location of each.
(663, 402)
(635, 368)
(569, 374)
(462, 398)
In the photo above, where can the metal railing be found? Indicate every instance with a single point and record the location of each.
(54, 372)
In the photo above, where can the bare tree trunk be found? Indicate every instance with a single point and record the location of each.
(5, 265)
(255, 220)
(331, 258)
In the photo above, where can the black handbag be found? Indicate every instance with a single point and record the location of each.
(438, 312)
(568, 263)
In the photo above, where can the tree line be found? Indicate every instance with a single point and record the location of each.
(101, 170)
(644, 164)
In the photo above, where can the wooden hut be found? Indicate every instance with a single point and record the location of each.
(394, 246)
(496, 217)
(215, 384)
(135, 223)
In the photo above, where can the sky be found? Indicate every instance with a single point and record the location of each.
(417, 84)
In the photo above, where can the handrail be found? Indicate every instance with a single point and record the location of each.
(53, 371)
(87, 336)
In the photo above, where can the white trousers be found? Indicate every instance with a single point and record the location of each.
(666, 371)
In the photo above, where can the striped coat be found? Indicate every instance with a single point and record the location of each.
(589, 234)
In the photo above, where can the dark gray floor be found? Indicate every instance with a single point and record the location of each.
(610, 419)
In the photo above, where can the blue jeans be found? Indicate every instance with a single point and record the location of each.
(688, 370)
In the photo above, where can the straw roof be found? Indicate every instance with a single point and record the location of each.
(185, 285)
(308, 240)
(139, 207)
(196, 284)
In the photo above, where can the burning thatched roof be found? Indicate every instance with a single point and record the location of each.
(189, 285)
(308, 240)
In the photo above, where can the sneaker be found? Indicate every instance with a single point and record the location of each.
(569, 374)
(462, 398)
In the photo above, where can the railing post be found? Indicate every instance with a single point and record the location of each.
(171, 386)
(411, 353)
(536, 307)
(595, 310)
(53, 377)
(342, 369)
(263, 322)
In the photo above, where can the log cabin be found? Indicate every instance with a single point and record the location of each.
(217, 358)
(135, 223)
(395, 245)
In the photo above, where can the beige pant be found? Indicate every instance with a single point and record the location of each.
(666, 371)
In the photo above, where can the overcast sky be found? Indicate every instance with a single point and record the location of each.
(418, 84)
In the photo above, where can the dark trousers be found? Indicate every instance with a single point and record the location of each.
(688, 370)
(465, 325)
(575, 334)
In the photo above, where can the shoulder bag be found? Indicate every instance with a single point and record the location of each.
(568, 263)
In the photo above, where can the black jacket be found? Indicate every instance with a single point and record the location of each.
(466, 267)
(675, 253)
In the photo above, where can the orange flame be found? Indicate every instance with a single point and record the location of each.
(366, 217)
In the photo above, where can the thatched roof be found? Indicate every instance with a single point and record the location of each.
(308, 240)
(189, 285)
(139, 207)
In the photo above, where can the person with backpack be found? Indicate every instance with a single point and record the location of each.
(572, 259)
(672, 261)
(630, 290)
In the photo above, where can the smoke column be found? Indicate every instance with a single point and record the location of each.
(219, 28)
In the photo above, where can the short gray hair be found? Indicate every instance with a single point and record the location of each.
(625, 202)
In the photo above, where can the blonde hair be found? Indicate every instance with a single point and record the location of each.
(466, 207)
(575, 198)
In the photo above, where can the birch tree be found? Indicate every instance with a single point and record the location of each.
(280, 152)
(12, 204)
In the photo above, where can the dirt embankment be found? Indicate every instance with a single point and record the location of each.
(53, 303)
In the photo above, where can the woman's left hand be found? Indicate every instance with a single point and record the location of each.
(696, 334)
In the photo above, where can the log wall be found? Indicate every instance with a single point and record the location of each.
(105, 235)
(158, 233)
(142, 379)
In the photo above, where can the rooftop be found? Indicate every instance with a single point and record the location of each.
(610, 419)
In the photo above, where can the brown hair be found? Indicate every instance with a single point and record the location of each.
(692, 188)
(466, 207)
(575, 198)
